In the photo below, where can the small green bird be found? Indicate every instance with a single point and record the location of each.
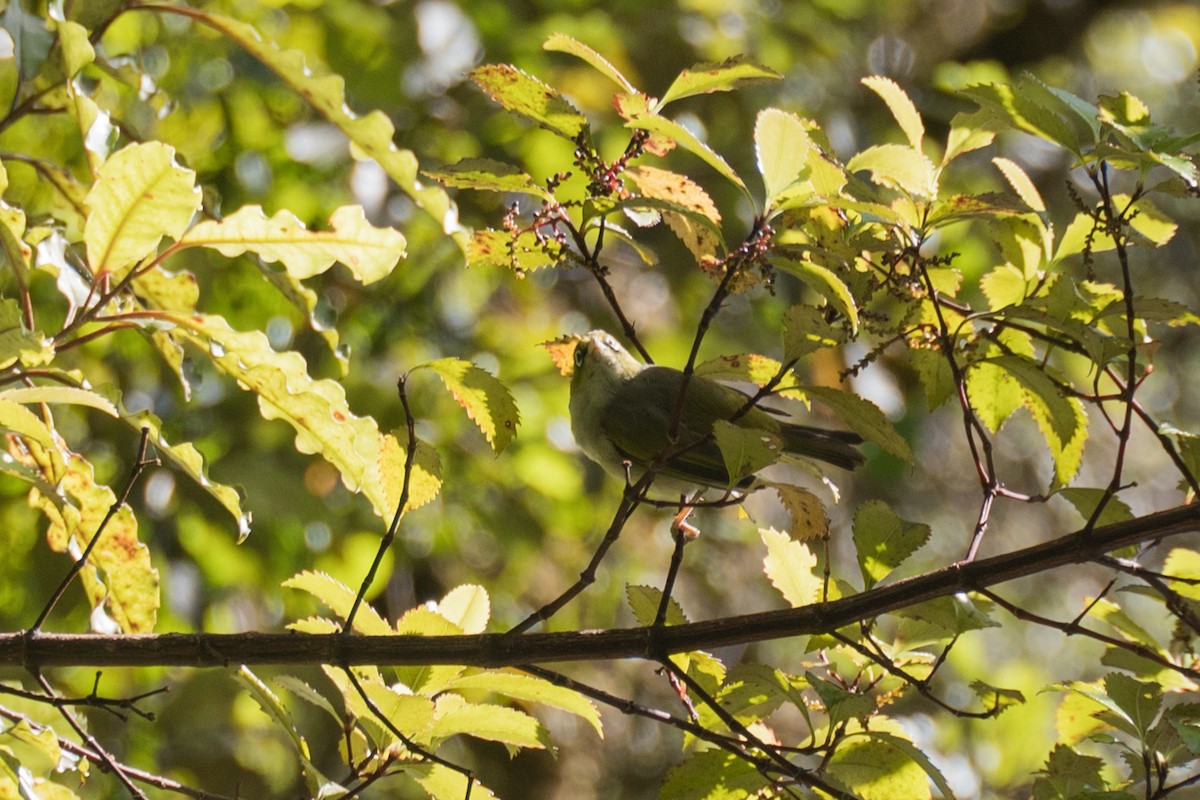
(621, 412)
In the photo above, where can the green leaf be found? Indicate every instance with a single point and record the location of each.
(824, 281)
(140, 196)
(806, 331)
(745, 450)
(186, 458)
(996, 699)
(1137, 700)
(488, 175)
(487, 401)
(468, 607)
(339, 598)
(1041, 394)
(560, 42)
(528, 688)
(782, 144)
(935, 375)
(1183, 566)
(644, 601)
(752, 367)
(37, 751)
(443, 783)
(723, 77)
(370, 135)
(1021, 183)
(993, 392)
(528, 97)
(523, 252)
(18, 419)
(874, 766)
(1068, 774)
(713, 775)
(453, 716)
(1086, 500)
(31, 38)
(67, 395)
(1067, 453)
(369, 253)
(864, 418)
(1037, 112)
(883, 540)
(318, 412)
(791, 566)
(809, 520)
(77, 51)
(688, 141)
(968, 131)
(119, 579)
(899, 167)
(901, 106)
(1003, 286)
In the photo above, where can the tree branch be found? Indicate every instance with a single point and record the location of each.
(37, 650)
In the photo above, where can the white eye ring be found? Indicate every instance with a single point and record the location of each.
(580, 352)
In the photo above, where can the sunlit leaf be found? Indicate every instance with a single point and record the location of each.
(468, 607)
(901, 106)
(878, 765)
(897, 167)
(723, 77)
(643, 602)
(339, 598)
(1022, 185)
(523, 94)
(487, 401)
(809, 520)
(562, 43)
(745, 450)
(883, 540)
(528, 688)
(370, 135)
(824, 281)
(864, 418)
(68, 395)
(453, 715)
(523, 252)
(791, 567)
(369, 253)
(688, 141)
(488, 175)
(714, 775)
(782, 144)
(140, 197)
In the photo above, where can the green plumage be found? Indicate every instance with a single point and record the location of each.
(621, 410)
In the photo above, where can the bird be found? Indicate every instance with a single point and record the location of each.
(622, 413)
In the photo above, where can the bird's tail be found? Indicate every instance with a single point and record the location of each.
(833, 447)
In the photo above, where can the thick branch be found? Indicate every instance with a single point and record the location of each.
(39, 650)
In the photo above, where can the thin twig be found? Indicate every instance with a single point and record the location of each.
(140, 463)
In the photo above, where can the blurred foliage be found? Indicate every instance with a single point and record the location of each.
(243, 129)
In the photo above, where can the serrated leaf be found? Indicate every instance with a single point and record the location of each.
(688, 141)
(824, 281)
(1139, 701)
(745, 450)
(453, 716)
(1183, 566)
(883, 540)
(271, 705)
(525, 95)
(1043, 392)
(339, 598)
(805, 331)
(791, 566)
(560, 42)
(488, 175)
(443, 783)
(644, 601)
(140, 196)
(901, 106)
(874, 765)
(1003, 286)
(714, 775)
(18, 419)
(864, 418)
(468, 607)
(369, 253)
(994, 393)
(529, 688)
(1020, 183)
(935, 375)
(898, 167)
(752, 367)
(1086, 500)
(371, 136)
(487, 401)
(782, 145)
(685, 206)
(809, 520)
(968, 131)
(523, 252)
(723, 77)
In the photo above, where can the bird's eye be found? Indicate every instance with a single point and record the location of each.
(580, 352)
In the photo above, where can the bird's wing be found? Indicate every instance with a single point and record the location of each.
(638, 420)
